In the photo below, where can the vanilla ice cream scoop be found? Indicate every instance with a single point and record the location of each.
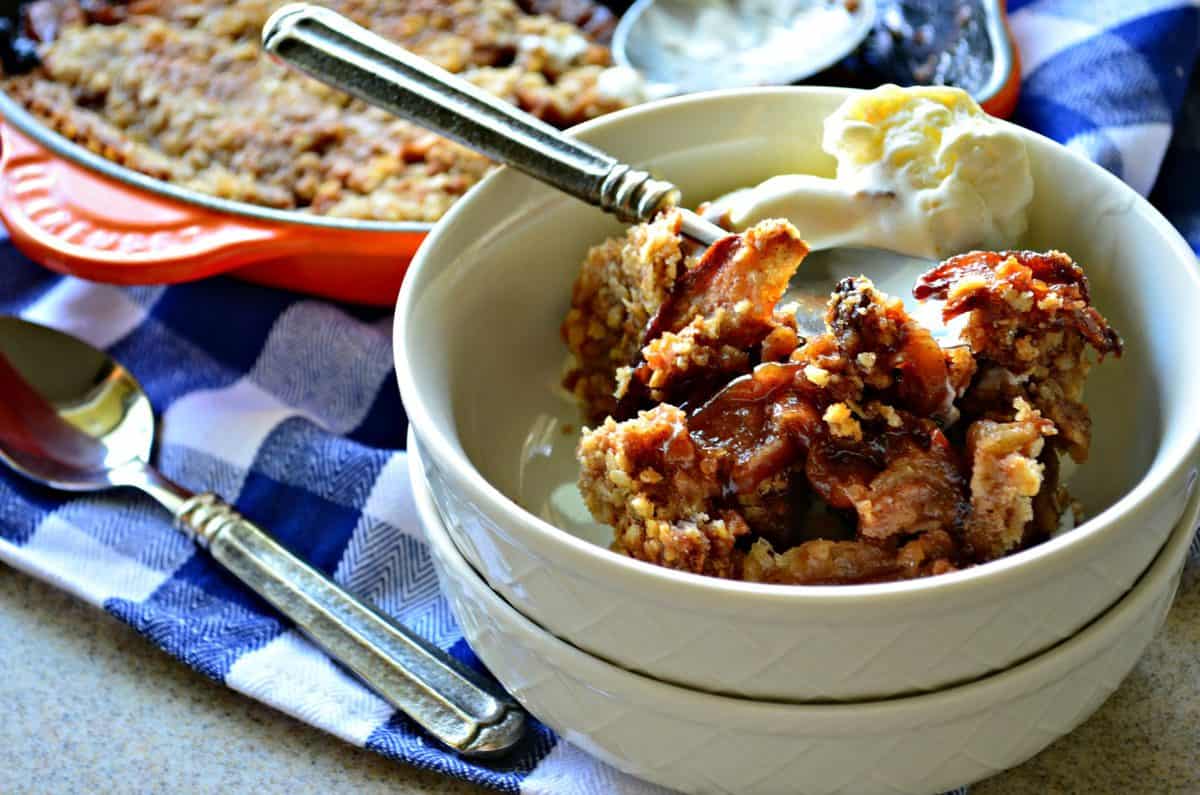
(923, 171)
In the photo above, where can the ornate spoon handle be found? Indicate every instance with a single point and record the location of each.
(447, 699)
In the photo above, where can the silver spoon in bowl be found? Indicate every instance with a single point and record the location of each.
(74, 419)
(331, 48)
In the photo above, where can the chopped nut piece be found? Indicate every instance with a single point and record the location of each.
(839, 419)
(818, 375)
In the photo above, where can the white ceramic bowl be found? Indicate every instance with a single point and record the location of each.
(698, 742)
(478, 356)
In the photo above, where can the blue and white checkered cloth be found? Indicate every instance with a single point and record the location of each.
(288, 406)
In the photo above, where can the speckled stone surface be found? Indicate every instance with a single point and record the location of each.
(88, 706)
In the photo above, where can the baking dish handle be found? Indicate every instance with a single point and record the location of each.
(76, 221)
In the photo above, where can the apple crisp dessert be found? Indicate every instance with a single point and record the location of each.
(725, 443)
(178, 90)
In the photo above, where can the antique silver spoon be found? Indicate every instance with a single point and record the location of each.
(331, 48)
(74, 419)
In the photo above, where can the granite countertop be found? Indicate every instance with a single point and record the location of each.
(89, 706)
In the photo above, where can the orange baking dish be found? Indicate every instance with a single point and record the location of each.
(78, 213)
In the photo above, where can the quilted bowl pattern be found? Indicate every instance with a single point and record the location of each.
(478, 355)
(890, 653)
(704, 743)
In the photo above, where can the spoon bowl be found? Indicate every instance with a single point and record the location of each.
(85, 415)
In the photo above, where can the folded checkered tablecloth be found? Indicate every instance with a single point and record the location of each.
(288, 406)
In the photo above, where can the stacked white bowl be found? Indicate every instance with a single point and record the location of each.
(708, 685)
(696, 741)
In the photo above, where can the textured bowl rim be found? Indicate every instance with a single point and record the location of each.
(660, 583)
(780, 717)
